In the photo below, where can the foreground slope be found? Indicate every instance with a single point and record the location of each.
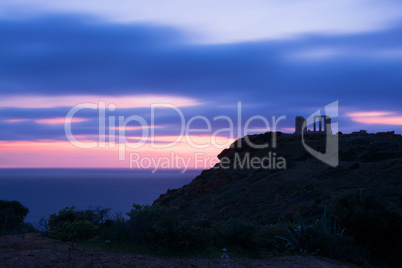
(32, 250)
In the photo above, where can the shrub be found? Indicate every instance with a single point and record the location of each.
(74, 231)
(70, 224)
(143, 221)
(157, 227)
(325, 238)
(12, 215)
(114, 228)
(375, 226)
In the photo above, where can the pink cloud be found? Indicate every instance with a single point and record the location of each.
(369, 114)
(393, 120)
(57, 121)
(129, 101)
(53, 121)
(376, 117)
(288, 129)
(135, 127)
(16, 120)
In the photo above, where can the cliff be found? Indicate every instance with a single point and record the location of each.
(291, 184)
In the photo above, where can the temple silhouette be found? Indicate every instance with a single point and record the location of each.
(324, 125)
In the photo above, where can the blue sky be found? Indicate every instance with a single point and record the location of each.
(275, 57)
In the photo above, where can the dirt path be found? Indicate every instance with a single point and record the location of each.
(32, 250)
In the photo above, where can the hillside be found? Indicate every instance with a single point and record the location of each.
(368, 162)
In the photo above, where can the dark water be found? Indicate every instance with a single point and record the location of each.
(45, 191)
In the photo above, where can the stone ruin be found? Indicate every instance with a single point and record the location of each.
(324, 125)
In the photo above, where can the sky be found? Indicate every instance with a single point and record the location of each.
(134, 76)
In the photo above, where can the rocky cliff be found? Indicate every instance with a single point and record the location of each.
(283, 182)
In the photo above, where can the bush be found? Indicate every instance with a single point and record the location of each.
(114, 228)
(143, 221)
(157, 227)
(70, 224)
(12, 215)
(74, 231)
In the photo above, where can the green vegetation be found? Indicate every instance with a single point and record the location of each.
(70, 224)
(356, 227)
(12, 215)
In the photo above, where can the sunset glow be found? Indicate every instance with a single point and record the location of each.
(102, 74)
(65, 154)
(392, 120)
(379, 118)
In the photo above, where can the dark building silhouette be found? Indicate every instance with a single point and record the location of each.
(324, 124)
(299, 124)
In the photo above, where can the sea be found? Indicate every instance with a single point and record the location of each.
(46, 191)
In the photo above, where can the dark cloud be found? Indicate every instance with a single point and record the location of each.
(75, 55)
(168, 121)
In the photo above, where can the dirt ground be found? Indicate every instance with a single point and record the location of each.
(32, 250)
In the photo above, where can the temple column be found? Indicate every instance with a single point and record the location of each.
(320, 126)
(314, 125)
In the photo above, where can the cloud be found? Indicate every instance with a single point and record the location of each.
(58, 121)
(62, 61)
(377, 118)
(369, 114)
(275, 57)
(333, 53)
(228, 21)
(53, 121)
(125, 101)
(72, 55)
